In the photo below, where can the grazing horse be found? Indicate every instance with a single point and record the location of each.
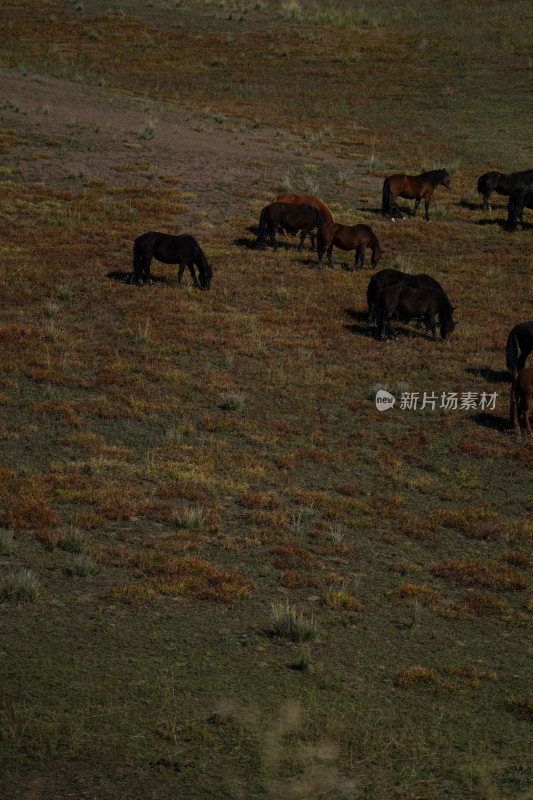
(291, 218)
(521, 337)
(412, 187)
(522, 399)
(310, 199)
(347, 237)
(183, 250)
(389, 277)
(414, 303)
(520, 198)
(502, 183)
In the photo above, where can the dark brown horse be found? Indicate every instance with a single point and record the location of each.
(347, 237)
(520, 198)
(310, 199)
(412, 187)
(502, 183)
(390, 277)
(183, 250)
(521, 337)
(304, 218)
(522, 399)
(411, 303)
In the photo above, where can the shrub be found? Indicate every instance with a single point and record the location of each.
(289, 623)
(19, 587)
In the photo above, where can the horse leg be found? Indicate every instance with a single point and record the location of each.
(527, 404)
(427, 209)
(486, 206)
(417, 203)
(312, 237)
(181, 270)
(146, 262)
(430, 326)
(395, 210)
(193, 274)
(305, 231)
(330, 256)
(273, 236)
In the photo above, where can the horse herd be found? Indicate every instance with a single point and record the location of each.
(390, 293)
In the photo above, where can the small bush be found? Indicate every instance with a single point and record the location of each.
(74, 541)
(232, 401)
(289, 623)
(84, 565)
(6, 543)
(190, 518)
(19, 587)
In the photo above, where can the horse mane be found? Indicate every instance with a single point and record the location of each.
(434, 174)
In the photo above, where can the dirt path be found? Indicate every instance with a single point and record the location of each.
(74, 134)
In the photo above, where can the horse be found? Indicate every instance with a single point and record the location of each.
(414, 303)
(522, 399)
(291, 218)
(388, 277)
(502, 183)
(520, 198)
(310, 199)
(183, 250)
(412, 186)
(521, 337)
(347, 237)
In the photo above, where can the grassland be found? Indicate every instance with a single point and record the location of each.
(224, 573)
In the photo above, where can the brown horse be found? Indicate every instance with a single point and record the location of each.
(411, 303)
(310, 199)
(502, 183)
(304, 218)
(522, 399)
(347, 237)
(412, 187)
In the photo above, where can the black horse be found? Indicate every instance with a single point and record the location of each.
(521, 337)
(291, 218)
(411, 303)
(520, 198)
(412, 187)
(502, 183)
(183, 250)
(389, 277)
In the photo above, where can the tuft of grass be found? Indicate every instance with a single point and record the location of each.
(232, 401)
(290, 623)
(148, 130)
(19, 587)
(74, 541)
(7, 543)
(85, 565)
(190, 518)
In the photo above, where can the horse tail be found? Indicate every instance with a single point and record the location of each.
(513, 209)
(262, 230)
(511, 353)
(513, 412)
(319, 218)
(386, 203)
(320, 240)
(482, 183)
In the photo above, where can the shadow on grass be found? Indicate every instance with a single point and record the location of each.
(127, 277)
(491, 421)
(489, 374)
